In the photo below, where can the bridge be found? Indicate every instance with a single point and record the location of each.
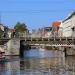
(14, 44)
(65, 44)
(59, 41)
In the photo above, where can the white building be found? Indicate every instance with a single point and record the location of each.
(9, 34)
(56, 29)
(60, 31)
(69, 25)
(1, 27)
(48, 34)
(36, 33)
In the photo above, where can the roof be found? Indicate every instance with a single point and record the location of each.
(69, 16)
(12, 30)
(47, 28)
(57, 24)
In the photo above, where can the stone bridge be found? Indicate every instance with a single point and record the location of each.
(50, 41)
(67, 45)
(13, 45)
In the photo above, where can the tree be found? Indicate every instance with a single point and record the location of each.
(20, 27)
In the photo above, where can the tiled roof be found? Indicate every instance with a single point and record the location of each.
(56, 24)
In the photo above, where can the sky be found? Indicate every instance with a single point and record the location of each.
(34, 13)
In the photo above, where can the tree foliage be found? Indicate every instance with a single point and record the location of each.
(20, 27)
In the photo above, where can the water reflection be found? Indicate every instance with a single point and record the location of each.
(38, 53)
(41, 64)
(2, 68)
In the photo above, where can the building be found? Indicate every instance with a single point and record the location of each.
(1, 27)
(69, 25)
(37, 32)
(55, 28)
(47, 32)
(42, 32)
(11, 33)
(60, 31)
(6, 32)
(3, 31)
(3, 34)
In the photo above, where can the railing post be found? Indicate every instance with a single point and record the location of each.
(25, 40)
(72, 38)
(42, 39)
(31, 39)
(48, 39)
(60, 38)
(54, 38)
(66, 40)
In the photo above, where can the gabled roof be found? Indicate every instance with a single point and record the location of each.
(69, 16)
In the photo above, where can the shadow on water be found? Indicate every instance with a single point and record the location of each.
(24, 66)
(23, 47)
(2, 67)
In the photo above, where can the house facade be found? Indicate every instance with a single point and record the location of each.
(3, 31)
(55, 29)
(42, 32)
(60, 31)
(47, 32)
(69, 25)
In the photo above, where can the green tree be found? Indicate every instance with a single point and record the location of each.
(20, 27)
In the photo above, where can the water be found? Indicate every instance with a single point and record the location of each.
(39, 62)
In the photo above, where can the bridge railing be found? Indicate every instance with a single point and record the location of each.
(38, 36)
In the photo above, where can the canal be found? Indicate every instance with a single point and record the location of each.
(39, 62)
